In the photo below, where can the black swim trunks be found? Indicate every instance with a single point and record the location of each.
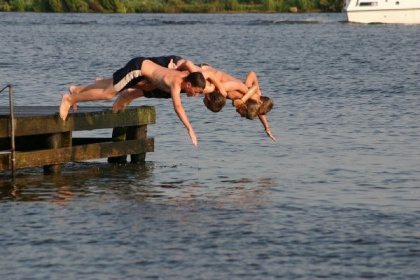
(165, 60)
(130, 74)
(156, 93)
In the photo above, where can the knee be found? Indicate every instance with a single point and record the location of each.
(252, 74)
(109, 94)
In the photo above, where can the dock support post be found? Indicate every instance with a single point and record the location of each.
(137, 132)
(53, 141)
(118, 134)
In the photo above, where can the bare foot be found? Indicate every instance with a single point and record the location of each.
(121, 103)
(72, 91)
(65, 106)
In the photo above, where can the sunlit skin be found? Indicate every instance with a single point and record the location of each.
(165, 79)
(232, 88)
(240, 92)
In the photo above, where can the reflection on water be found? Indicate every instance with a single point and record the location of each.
(126, 182)
(76, 180)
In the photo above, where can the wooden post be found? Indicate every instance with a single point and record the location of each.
(118, 134)
(53, 141)
(134, 133)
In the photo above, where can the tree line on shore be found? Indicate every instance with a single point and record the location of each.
(171, 6)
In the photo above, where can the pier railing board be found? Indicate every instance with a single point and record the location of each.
(42, 138)
(30, 121)
(77, 153)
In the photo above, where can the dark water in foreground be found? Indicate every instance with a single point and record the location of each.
(336, 197)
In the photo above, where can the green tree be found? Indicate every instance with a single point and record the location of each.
(174, 6)
(268, 5)
(110, 5)
(95, 6)
(332, 5)
(18, 5)
(4, 6)
(307, 5)
(55, 6)
(231, 5)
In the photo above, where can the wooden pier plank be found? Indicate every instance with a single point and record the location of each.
(77, 153)
(87, 118)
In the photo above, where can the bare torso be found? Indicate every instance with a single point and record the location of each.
(163, 78)
(234, 87)
(221, 76)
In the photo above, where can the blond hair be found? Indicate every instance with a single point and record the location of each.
(253, 108)
(266, 106)
(215, 101)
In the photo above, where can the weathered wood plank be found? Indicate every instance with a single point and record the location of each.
(82, 120)
(77, 153)
(33, 111)
(38, 142)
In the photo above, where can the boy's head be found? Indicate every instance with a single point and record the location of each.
(248, 110)
(266, 106)
(214, 101)
(195, 83)
(252, 109)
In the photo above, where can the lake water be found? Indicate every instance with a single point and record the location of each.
(337, 197)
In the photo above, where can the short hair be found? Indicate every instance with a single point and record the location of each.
(266, 106)
(253, 107)
(215, 101)
(196, 79)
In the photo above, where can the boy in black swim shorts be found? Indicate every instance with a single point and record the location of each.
(152, 76)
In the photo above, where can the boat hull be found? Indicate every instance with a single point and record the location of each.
(383, 11)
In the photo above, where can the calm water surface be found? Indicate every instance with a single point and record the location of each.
(336, 197)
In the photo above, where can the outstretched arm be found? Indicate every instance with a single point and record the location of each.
(179, 109)
(212, 78)
(251, 81)
(245, 98)
(266, 127)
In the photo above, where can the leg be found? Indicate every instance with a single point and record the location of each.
(124, 98)
(102, 91)
(98, 82)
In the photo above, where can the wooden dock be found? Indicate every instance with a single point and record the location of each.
(42, 138)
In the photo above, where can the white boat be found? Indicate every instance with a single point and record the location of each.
(383, 11)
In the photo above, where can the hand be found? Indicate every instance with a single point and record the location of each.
(193, 136)
(238, 102)
(270, 135)
(171, 64)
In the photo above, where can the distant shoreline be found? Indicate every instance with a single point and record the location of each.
(172, 6)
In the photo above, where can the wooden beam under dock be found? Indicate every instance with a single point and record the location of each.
(42, 138)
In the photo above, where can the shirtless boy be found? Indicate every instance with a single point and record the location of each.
(169, 61)
(213, 82)
(153, 76)
(219, 86)
(246, 96)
